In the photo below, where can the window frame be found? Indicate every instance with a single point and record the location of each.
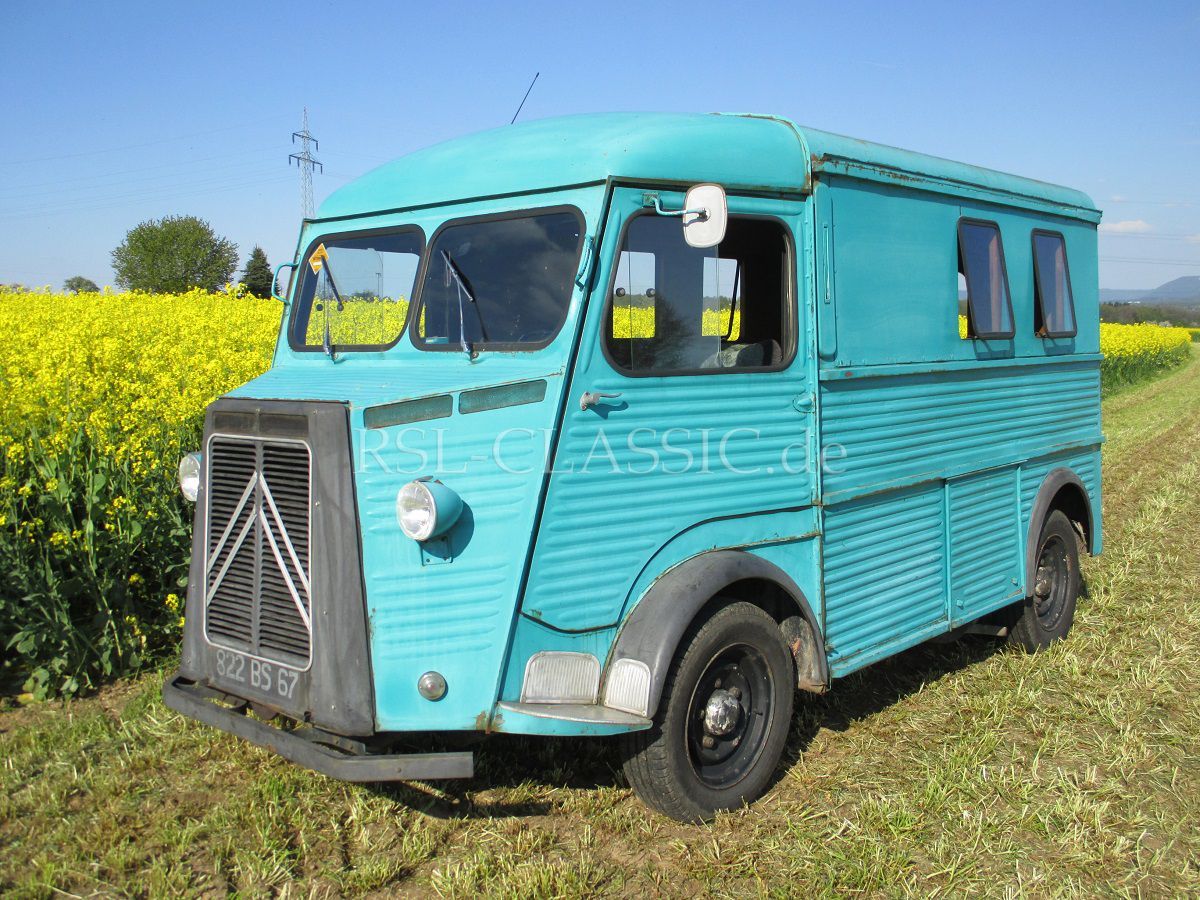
(299, 284)
(790, 317)
(1038, 310)
(503, 346)
(973, 335)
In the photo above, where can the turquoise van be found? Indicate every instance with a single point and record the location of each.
(637, 425)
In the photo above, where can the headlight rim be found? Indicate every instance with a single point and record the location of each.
(430, 527)
(189, 481)
(445, 505)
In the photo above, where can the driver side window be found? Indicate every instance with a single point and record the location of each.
(679, 309)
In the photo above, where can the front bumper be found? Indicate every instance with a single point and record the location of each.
(344, 759)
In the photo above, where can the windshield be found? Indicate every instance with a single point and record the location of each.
(355, 290)
(500, 283)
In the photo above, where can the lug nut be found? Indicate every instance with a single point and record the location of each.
(708, 742)
(735, 693)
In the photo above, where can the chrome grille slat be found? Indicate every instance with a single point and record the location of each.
(258, 596)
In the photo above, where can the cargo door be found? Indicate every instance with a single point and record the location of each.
(985, 543)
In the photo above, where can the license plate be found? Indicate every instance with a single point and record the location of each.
(272, 679)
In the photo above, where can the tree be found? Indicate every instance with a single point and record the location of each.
(172, 254)
(257, 276)
(77, 284)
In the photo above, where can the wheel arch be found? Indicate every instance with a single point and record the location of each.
(651, 633)
(1061, 490)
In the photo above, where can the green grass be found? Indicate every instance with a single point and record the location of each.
(951, 769)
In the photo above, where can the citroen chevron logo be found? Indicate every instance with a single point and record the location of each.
(257, 505)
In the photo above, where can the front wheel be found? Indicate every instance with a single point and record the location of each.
(1049, 610)
(722, 721)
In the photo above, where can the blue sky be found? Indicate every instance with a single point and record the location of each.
(116, 113)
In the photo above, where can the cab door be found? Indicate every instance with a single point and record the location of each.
(691, 401)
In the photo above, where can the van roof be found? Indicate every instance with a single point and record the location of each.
(743, 152)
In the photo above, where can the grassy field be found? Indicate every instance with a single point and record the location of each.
(952, 768)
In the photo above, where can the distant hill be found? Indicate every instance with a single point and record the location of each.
(1183, 291)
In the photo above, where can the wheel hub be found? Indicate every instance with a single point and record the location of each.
(721, 712)
(728, 715)
(1049, 586)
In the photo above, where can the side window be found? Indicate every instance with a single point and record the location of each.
(981, 263)
(676, 308)
(633, 296)
(1054, 308)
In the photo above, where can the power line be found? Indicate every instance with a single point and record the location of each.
(305, 161)
(1153, 235)
(98, 204)
(96, 177)
(1137, 200)
(168, 183)
(1189, 263)
(167, 140)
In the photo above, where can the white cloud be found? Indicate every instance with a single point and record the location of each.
(1129, 226)
(1193, 238)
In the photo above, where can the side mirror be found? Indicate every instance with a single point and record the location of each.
(282, 298)
(705, 214)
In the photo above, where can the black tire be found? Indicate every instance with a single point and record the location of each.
(1049, 610)
(739, 661)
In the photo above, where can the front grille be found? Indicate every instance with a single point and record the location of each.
(257, 596)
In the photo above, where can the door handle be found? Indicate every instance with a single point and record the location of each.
(591, 398)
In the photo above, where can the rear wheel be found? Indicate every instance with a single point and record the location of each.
(722, 721)
(1049, 610)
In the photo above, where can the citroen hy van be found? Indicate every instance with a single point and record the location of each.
(637, 425)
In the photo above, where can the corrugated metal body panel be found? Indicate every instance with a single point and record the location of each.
(913, 427)
(885, 569)
(985, 543)
(606, 515)
(723, 443)
(447, 605)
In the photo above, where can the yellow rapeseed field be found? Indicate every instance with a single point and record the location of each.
(102, 394)
(1132, 352)
(133, 371)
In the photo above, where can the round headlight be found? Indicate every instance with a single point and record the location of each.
(427, 509)
(416, 511)
(189, 476)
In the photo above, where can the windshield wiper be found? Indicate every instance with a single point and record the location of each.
(464, 287)
(316, 261)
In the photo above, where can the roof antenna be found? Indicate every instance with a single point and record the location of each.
(526, 97)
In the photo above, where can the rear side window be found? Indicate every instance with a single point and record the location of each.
(981, 263)
(1054, 309)
(679, 309)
